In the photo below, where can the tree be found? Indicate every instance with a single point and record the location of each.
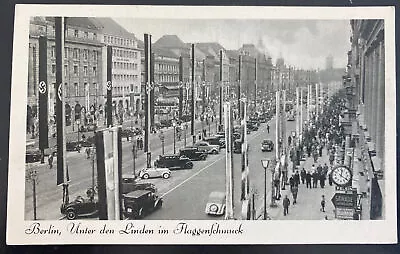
(31, 176)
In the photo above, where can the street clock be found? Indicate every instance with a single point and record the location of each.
(342, 176)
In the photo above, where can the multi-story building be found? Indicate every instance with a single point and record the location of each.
(365, 87)
(82, 69)
(126, 69)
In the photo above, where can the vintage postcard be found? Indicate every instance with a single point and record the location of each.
(202, 125)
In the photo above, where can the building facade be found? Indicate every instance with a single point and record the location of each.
(82, 69)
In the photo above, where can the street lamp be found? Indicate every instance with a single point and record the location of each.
(174, 125)
(134, 154)
(265, 164)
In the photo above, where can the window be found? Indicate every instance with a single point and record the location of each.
(53, 69)
(65, 52)
(85, 70)
(94, 71)
(75, 70)
(95, 55)
(85, 35)
(75, 53)
(105, 39)
(76, 33)
(76, 89)
(85, 54)
(65, 70)
(94, 89)
(53, 51)
(94, 36)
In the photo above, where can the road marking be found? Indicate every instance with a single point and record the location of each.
(190, 177)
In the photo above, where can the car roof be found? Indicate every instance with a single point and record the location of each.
(137, 193)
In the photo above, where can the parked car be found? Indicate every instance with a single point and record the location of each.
(130, 183)
(154, 172)
(80, 207)
(137, 204)
(32, 156)
(216, 203)
(216, 140)
(207, 147)
(173, 161)
(267, 145)
(73, 146)
(193, 153)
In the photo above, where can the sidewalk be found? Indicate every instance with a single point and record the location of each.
(308, 200)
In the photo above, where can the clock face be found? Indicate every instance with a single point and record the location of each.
(341, 176)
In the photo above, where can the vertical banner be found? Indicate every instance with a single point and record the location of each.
(220, 88)
(297, 114)
(59, 51)
(109, 86)
(239, 84)
(152, 98)
(245, 166)
(192, 131)
(277, 131)
(180, 87)
(109, 173)
(43, 94)
(255, 84)
(148, 82)
(229, 180)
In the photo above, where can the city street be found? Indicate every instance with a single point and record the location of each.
(49, 196)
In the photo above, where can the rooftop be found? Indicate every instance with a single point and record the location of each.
(111, 27)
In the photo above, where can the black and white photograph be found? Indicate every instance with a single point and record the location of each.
(198, 119)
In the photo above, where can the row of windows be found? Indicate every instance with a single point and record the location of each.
(125, 53)
(125, 66)
(74, 90)
(119, 41)
(168, 78)
(73, 33)
(125, 77)
(75, 70)
(166, 67)
(86, 53)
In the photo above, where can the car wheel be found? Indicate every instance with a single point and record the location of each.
(145, 176)
(214, 152)
(71, 215)
(189, 165)
(203, 158)
(165, 175)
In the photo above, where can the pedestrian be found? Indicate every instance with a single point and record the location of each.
(322, 179)
(308, 180)
(291, 182)
(294, 191)
(315, 155)
(289, 140)
(322, 209)
(331, 158)
(315, 179)
(330, 177)
(303, 175)
(286, 203)
(87, 152)
(320, 150)
(268, 128)
(50, 160)
(138, 143)
(296, 178)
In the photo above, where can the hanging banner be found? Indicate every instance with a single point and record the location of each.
(109, 107)
(109, 173)
(43, 94)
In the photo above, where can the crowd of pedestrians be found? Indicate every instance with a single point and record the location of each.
(323, 132)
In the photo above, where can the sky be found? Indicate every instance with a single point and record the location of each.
(302, 43)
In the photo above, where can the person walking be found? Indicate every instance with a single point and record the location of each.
(322, 178)
(50, 160)
(330, 177)
(296, 178)
(308, 180)
(286, 204)
(87, 152)
(291, 182)
(303, 174)
(294, 190)
(315, 179)
(322, 209)
(268, 128)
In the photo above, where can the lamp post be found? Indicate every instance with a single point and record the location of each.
(265, 164)
(184, 129)
(134, 157)
(174, 125)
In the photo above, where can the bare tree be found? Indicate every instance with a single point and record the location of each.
(31, 176)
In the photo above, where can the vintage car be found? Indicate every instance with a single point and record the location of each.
(267, 145)
(80, 207)
(130, 183)
(193, 153)
(137, 204)
(207, 147)
(216, 203)
(173, 161)
(216, 140)
(73, 146)
(32, 156)
(154, 172)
